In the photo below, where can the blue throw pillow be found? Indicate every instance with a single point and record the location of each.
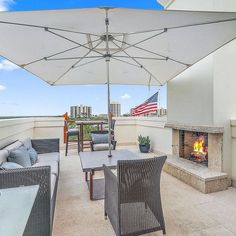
(99, 138)
(20, 156)
(9, 166)
(33, 155)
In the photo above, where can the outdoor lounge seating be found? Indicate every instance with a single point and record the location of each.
(45, 173)
(100, 141)
(132, 199)
(71, 133)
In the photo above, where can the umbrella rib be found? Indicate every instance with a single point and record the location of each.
(141, 66)
(144, 40)
(48, 27)
(182, 26)
(86, 63)
(76, 63)
(72, 58)
(126, 62)
(145, 58)
(154, 53)
(58, 53)
(70, 40)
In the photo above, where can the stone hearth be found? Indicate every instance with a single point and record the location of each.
(206, 179)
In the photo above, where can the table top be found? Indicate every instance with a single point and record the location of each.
(95, 160)
(15, 207)
(90, 122)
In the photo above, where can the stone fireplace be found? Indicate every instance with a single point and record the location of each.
(185, 137)
(197, 156)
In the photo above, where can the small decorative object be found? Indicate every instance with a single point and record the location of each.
(144, 143)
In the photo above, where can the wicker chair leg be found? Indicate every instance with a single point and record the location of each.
(164, 231)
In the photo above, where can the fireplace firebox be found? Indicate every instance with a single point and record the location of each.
(194, 146)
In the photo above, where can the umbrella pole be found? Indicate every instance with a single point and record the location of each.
(107, 58)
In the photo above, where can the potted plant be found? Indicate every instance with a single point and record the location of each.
(144, 143)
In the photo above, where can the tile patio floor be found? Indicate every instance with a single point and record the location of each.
(186, 211)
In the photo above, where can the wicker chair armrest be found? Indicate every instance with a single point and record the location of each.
(46, 145)
(39, 219)
(111, 198)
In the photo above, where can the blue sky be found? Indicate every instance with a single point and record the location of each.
(22, 93)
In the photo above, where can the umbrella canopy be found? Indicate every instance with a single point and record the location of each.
(139, 46)
(69, 46)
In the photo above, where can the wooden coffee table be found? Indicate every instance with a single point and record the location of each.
(94, 161)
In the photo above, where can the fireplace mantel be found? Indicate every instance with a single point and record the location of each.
(196, 128)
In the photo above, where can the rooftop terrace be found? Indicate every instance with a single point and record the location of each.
(186, 210)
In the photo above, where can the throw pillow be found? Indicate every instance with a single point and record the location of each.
(99, 138)
(33, 155)
(9, 166)
(20, 156)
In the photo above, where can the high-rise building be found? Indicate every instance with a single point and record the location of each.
(80, 111)
(115, 108)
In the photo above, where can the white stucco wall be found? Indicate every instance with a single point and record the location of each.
(13, 129)
(21, 128)
(127, 130)
(52, 127)
(221, 72)
(190, 95)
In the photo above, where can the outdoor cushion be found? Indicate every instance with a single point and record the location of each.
(9, 166)
(99, 138)
(73, 131)
(52, 156)
(27, 143)
(101, 146)
(20, 156)
(53, 184)
(13, 146)
(52, 164)
(3, 155)
(33, 155)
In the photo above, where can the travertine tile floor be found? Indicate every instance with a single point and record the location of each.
(186, 211)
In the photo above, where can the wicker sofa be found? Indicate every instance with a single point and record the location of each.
(44, 173)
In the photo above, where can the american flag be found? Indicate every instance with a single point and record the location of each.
(150, 105)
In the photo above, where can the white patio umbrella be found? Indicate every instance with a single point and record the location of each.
(142, 47)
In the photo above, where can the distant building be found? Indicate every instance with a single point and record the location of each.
(80, 111)
(115, 109)
(162, 112)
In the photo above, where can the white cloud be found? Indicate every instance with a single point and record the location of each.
(126, 96)
(7, 65)
(4, 4)
(2, 87)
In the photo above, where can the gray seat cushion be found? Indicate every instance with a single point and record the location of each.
(53, 156)
(101, 146)
(99, 138)
(9, 166)
(73, 132)
(52, 164)
(53, 184)
(20, 156)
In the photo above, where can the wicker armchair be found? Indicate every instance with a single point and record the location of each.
(132, 199)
